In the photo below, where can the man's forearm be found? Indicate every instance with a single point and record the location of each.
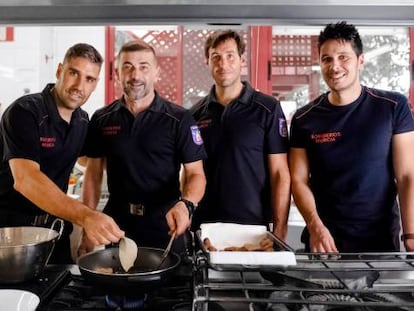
(305, 203)
(281, 205)
(91, 192)
(406, 201)
(92, 182)
(193, 189)
(42, 192)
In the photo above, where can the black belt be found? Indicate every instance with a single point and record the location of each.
(137, 209)
(140, 209)
(117, 206)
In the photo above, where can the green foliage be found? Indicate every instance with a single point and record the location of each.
(388, 68)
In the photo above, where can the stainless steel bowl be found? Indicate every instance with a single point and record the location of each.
(24, 251)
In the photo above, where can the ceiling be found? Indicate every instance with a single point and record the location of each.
(232, 12)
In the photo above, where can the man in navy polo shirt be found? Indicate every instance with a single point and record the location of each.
(245, 135)
(351, 154)
(142, 140)
(42, 135)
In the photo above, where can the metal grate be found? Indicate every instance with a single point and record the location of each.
(370, 281)
(166, 44)
(291, 50)
(293, 54)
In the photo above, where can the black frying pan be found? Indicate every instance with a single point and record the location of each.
(145, 274)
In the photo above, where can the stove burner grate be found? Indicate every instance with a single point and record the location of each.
(366, 283)
(76, 293)
(126, 302)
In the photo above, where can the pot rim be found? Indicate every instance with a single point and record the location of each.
(51, 235)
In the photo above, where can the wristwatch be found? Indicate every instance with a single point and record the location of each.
(190, 206)
(407, 236)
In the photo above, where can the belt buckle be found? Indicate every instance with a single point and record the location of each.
(136, 209)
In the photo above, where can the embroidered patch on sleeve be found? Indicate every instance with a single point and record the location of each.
(196, 135)
(283, 127)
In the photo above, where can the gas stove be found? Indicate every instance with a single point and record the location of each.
(63, 288)
(381, 281)
(78, 295)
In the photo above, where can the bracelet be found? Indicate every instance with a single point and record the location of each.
(407, 236)
(190, 206)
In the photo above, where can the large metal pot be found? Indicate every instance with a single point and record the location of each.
(145, 275)
(24, 251)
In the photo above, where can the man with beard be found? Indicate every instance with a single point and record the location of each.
(351, 155)
(42, 135)
(142, 140)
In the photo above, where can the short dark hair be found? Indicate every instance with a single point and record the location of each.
(136, 45)
(223, 35)
(343, 32)
(84, 50)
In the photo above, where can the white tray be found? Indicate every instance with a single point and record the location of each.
(223, 235)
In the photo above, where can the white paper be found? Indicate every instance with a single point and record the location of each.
(224, 235)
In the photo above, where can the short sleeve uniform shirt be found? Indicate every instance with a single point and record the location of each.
(238, 140)
(144, 153)
(31, 128)
(349, 149)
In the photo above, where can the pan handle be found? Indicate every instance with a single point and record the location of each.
(61, 225)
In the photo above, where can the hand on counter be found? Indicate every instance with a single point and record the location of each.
(321, 240)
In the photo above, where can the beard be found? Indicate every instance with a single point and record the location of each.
(135, 90)
(70, 98)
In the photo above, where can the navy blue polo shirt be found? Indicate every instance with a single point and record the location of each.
(349, 149)
(144, 153)
(238, 139)
(31, 128)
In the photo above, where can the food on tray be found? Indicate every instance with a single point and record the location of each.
(253, 246)
(208, 245)
(265, 245)
(106, 270)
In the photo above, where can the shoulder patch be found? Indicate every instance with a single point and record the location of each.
(196, 135)
(283, 127)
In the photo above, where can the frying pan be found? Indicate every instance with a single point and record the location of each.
(146, 274)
